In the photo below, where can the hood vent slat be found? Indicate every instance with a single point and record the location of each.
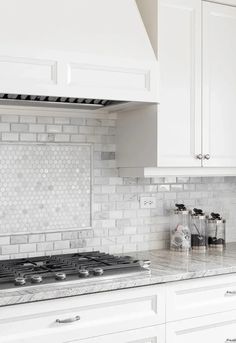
(56, 102)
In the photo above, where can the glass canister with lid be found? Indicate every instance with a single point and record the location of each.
(216, 231)
(180, 235)
(199, 239)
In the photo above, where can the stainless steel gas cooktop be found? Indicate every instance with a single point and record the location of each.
(59, 268)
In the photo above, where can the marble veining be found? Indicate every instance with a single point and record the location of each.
(166, 267)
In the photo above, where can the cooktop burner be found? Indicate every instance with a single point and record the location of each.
(47, 269)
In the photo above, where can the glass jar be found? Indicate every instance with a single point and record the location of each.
(199, 239)
(180, 235)
(216, 232)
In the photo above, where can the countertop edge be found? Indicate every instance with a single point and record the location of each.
(54, 291)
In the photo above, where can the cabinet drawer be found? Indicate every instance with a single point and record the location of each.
(217, 328)
(154, 334)
(91, 315)
(192, 298)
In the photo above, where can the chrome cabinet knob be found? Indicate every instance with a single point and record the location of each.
(207, 157)
(199, 156)
(36, 278)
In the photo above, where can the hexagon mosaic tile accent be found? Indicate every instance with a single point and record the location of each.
(44, 187)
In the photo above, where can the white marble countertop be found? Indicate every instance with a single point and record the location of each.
(166, 266)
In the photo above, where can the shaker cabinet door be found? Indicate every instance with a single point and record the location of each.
(219, 85)
(179, 54)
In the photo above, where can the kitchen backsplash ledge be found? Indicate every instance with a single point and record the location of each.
(119, 223)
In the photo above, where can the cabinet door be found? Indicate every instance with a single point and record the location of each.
(179, 54)
(219, 85)
(219, 328)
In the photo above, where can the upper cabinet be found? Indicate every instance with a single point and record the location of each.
(179, 53)
(192, 131)
(219, 85)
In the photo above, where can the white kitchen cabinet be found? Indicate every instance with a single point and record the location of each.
(82, 317)
(219, 85)
(196, 310)
(171, 138)
(179, 54)
(201, 310)
(217, 328)
(192, 131)
(200, 297)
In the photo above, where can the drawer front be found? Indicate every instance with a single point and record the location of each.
(217, 328)
(81, 317)
(155, 334)
(200, 297)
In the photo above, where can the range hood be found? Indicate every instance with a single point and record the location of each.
(80, 53)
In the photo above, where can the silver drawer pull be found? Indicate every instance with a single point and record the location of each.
(68, 320)
(230, 340)
(231, 293)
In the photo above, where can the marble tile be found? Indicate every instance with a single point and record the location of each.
(44, 187)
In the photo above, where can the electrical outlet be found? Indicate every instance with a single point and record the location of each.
(148, 202)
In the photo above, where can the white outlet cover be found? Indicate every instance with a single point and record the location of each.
(148, 202)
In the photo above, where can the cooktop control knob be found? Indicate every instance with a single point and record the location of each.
(20, 281)
(145, 264)
(36, 278)
(97, 271)
(60, 276)
(83, 273)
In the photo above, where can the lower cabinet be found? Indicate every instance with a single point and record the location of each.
(217, 328)
(201, 310)
(200, 297)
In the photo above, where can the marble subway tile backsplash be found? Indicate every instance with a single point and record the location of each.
(119, 223)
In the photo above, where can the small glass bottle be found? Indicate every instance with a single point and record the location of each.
(216, 232)
(180, 235)
(199, 239)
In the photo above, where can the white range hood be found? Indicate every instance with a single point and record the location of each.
(75, 51)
